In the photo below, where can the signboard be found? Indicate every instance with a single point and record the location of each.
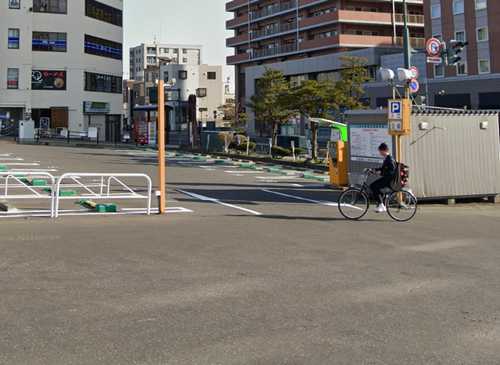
(48, 80)
(92, 133)
(399, 115)
(414, 86)
(433, 47)
(96, 107)
(435, 60)
(5, 116)
(365, 139)
(395, 109)
(44, 123)
(415, 72)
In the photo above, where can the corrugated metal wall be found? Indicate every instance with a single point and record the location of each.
(454, 157)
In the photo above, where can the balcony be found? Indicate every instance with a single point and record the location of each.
(236, 22)
(234, 41)
(273, 10)
(415, 42)
(275, 51)
(269, 32)
(238, 58)
(235, 4)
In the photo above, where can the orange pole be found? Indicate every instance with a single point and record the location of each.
(161, 148)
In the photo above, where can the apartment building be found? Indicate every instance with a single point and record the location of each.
(61, 64)
(147, 56)
(475, 81)
(287, 32)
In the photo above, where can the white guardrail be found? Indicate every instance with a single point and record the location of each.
(17, 181)
(16, 185)
(106, 180)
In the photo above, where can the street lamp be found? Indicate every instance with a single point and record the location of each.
(162, 194)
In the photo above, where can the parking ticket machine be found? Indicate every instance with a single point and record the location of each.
(338, 163)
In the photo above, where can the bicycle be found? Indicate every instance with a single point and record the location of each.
(354, 203)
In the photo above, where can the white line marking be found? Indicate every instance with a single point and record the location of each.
(243, 172)
(74, 212)
(5, 154)
(11, 159)
(217, 201)
(21, 164)
(325, 203)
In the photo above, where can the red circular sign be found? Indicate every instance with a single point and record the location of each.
(414, 86)
(415, 72)
(433, 47)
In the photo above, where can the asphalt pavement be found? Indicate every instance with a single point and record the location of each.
(260, 268)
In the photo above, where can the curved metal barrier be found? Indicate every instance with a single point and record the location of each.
(104, 191)
(11, 182)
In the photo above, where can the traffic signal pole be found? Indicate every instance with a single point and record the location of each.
(161, 148)
(407, 64)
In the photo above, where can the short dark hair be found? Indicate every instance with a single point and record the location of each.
(383, 147)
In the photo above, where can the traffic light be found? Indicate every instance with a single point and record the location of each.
(453, 52)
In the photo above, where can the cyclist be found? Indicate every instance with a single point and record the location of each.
(386, 172)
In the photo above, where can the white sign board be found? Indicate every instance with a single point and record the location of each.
(395, 110)
(365, 139)
(92, 133)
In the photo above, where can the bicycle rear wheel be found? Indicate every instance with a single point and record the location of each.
(401, 206)
(353, 204)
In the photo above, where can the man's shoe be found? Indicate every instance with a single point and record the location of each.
(381, 209)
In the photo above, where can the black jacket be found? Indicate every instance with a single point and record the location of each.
(388, 168)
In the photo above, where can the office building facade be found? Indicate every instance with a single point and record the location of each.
(61, 64)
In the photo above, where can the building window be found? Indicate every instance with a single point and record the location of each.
(50, 6)
(212, 75)
(461, 68)
(103, 12)
(165, 76)
(458, 7)
(183, 75)
(103, 47)
(481, 4)
(484, 66)
(103, 83)
(201, 92)
(14, 4)
(438, 71)
(12, 78)
(49, 42)
(13, 38)
(460, 36)
(184, 60)
(436, 11)
(482, 34)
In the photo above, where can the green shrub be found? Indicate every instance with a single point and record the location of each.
(277, 151)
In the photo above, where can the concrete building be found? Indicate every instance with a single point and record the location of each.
(61, 64)
(474, 82)
(204, 81)
(302, 36)
(149, 55)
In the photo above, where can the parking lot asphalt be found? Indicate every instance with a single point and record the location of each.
(247, 276)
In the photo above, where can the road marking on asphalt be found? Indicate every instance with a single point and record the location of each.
(5, 154)
(21, 164)
(33, 170)
(11, 159)
(208, 168)
(330, 204)
(325, 203)
(217, 201)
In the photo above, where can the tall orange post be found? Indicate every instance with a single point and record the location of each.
(161, 148)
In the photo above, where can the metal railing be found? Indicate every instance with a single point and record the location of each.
(273, 9)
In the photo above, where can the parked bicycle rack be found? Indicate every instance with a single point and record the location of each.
(103, 192)
(17, 181)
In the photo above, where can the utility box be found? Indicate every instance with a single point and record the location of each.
(451, 153)
(26, 131)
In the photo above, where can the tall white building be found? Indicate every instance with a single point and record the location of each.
(145, 56)
(61, 63)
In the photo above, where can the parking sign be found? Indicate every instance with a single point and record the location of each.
(395, 110)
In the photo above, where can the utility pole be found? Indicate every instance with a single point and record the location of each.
(161, 148)
(407, 65)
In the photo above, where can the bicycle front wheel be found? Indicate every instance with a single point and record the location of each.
(401, 206)
(353, 204)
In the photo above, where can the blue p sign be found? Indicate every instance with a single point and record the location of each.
(396, 108)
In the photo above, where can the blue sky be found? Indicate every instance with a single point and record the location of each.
(179, 21)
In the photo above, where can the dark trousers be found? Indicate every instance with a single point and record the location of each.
(377, 187)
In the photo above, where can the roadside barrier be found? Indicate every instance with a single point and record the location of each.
(105, 192)
(34, 185)
(27, 186)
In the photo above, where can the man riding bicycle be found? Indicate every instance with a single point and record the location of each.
(387, 172)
